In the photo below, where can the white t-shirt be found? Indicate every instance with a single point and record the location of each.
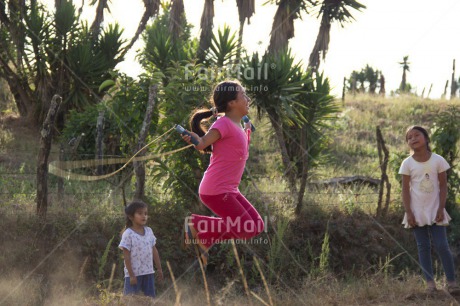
(141, 248)
(424, 188)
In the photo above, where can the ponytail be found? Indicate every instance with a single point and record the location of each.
(196, 127)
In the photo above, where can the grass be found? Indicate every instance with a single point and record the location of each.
(71, 259)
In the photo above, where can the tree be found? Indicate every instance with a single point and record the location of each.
(445, 137)
(283, 23)
(184, 86)
(96, 26)
(330, 11)
(161, 48)
(206, 26)
(308, 140)
(224, 48)
(405, 66)
(246, 8)
(453, 84)
(279, 100)
(372, 76)
(63, 57)
(297, 104)
(367, 79)
(177, 18)
(152, 8)
(127, 105)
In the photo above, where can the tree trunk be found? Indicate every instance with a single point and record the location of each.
(453, 83)
(139, 168)
(176, 18)
(277, 126)
(240, 42)
(43, 154)
(98, 19)
(283, 27)
(321, 45)
(21, 93)
(99, 141)
(60, 180)
(246, 8)
(403, 81)
(304, 174)
(151, 9)
(206, 25)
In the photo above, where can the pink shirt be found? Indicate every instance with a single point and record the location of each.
(228, 159)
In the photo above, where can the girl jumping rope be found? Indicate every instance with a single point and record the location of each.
(229, 144)
(139, 251)
(424, 192)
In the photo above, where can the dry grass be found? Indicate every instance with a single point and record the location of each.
(376, 290)
(327, 290)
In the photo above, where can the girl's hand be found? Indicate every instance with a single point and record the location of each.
(160, 275)
(440, 215)
(411, 219)
(133, 280)
(187, 138)
(247, 125)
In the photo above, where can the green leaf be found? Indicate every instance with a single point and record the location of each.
(105, 84)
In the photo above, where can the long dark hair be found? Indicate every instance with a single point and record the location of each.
(130, 210)
(223, 93)
(423, 131)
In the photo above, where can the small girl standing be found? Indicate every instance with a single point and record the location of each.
(424, 192)
(229, 143)
(139, 251)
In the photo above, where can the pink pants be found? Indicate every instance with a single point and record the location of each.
(238, 219)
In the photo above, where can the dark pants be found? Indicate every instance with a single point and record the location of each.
(439, 238)
(238, 219)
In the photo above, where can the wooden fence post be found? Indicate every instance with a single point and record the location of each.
(382, 85)
(443, 96)
(43, 154)
(383, 161)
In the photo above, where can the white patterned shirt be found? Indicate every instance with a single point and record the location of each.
(424, 188)
(141, 248)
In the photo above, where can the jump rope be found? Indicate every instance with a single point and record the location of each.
(61, 168)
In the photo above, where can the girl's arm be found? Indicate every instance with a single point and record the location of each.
(129, 267)
(406, 200)
(208, 139)
(157, 261)
(442, 178)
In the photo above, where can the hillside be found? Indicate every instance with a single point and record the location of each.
(336, 252)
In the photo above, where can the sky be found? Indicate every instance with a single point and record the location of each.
(382, 34)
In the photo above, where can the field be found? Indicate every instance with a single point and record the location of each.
(336, 252)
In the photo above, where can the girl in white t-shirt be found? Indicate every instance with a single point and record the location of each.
(139, 251)
(424, 192)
